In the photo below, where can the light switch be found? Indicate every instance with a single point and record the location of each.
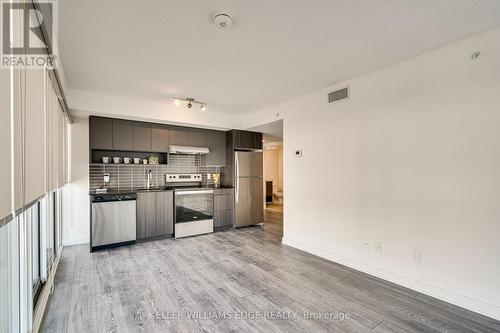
(298, 152)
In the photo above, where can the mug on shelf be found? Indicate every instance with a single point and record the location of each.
(117, 160)
(127, 160)
(137, 160)
(106, 160)
(145, 161)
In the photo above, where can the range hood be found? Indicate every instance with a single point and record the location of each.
(188, 150)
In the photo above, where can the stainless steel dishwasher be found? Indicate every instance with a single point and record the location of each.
(113, 220)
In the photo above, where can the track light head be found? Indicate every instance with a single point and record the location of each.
(190, 102)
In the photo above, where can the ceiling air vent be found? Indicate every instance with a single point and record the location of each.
(338, 95)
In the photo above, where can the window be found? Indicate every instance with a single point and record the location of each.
(9, 275)
(36, 251)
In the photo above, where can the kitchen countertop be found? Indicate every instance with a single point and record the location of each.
(154, 189)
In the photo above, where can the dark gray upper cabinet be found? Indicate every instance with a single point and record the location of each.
(197, 137)
(246, 139)
(256, 140)
(122, 134)
(160, 138)
(179, 136)
(216, 141)
(141, 138)
(101, 133)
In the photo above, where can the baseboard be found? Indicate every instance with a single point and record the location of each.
(41, 305)
(449, 296)
(76, 241)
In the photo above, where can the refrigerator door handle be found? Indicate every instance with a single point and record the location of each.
(237, 177)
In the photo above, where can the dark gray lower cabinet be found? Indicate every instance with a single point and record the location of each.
(145, 214)
(155, 214)
(164, 213)
(223, 207)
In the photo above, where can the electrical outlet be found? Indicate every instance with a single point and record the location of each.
(366, 244)
(418, 257)
(379, 246)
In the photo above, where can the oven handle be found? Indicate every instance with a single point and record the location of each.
(194, 192)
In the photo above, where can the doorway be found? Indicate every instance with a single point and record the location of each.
(273, 174)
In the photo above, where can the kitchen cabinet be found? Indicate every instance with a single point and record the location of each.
(197, 137)
(141, 136)
(256, 140)
(164, 213)
(179, 136)
(246, 140)
(155, 214)
(122, 134)
(223, 207)
(145, 214)
(216, 141)
(101, 133)
(160, 138)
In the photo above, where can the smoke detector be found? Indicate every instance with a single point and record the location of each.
(223, 20)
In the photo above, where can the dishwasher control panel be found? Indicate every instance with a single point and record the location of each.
(114, 197)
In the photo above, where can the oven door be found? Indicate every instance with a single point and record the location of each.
(194, 211)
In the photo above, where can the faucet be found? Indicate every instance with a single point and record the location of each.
(150, 175)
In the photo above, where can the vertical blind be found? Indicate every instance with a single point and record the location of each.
(33, 142)
(5, 146)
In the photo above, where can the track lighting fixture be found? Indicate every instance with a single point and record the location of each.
(190, 102)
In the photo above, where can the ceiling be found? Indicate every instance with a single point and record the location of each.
(271, 132)
(276, 50)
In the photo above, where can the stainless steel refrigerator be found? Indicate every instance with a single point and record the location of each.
(249, 188)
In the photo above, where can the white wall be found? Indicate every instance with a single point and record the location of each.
(411, 160)
(76, 228)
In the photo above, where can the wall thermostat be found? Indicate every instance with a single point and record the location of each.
(298, 152)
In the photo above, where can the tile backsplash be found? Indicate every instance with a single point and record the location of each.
(125, 176)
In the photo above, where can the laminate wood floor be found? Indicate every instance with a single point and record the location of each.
(236, 280)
